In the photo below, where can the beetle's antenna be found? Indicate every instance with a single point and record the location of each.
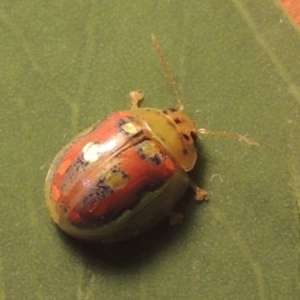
(168, 71)
(231, 135)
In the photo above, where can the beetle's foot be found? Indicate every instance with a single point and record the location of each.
(200, 194)
(135, 98)
(175, 218)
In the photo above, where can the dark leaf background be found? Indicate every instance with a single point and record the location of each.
(67, 64)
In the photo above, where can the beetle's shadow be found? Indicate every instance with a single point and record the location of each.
(129, 255)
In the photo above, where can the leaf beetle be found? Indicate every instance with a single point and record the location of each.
(125, 174)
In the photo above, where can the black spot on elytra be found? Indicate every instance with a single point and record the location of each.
(116, 169)
(81, 161)
(136, 198)
(78, 166)
(185, 151)
(99, 192)
(122, 122)
(155, 159)
(75, 169)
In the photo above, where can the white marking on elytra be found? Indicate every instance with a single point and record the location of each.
(92, 151)
(130, 128)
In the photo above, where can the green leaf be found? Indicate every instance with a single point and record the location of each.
(67, 64)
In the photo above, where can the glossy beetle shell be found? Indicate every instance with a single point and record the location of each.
(122, 176)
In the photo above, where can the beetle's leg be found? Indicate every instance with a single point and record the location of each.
(135, 98)
(175, 218)
(200, 194)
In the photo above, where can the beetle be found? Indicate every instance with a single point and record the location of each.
(124, 175)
